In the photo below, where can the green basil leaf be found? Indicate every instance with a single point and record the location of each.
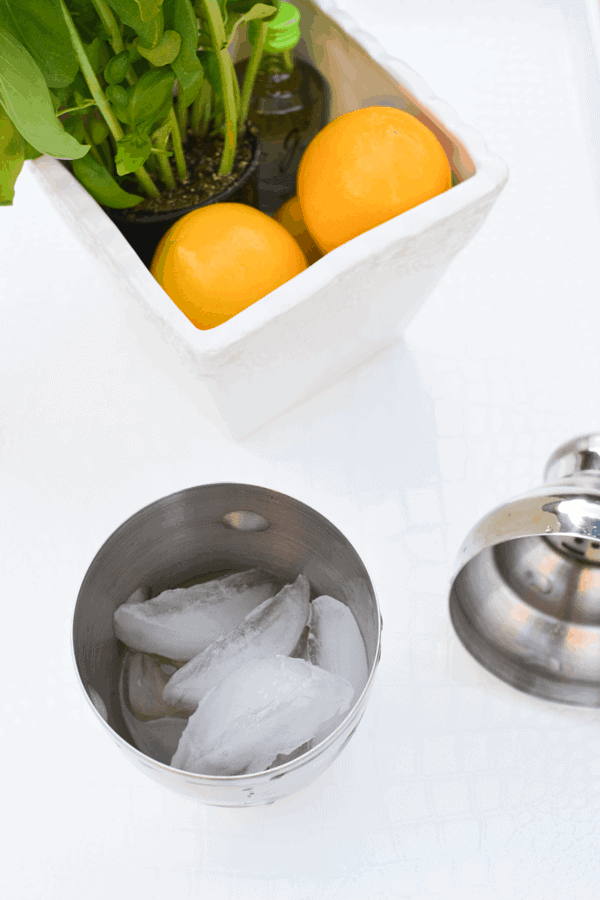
(40, 27)
(101, 185)
(80, 87)
(98, 54)
(149, 32)
(134, 53)
(210, 66)
(148, 8)
(128, 12)
(235, 7)
(30, 152)
(60, 97)
(27, 101)
(161, 136)
(164, 52)
(119, 98)
(85, 18)
(189, 85)
(149, 97)
(208, 59)
(205, 40)
(98, 130)
(180, 16)
(132, 152)
(152, 164)
(74, 125)
(116, 68)
(82, 101)
(258, 11)
(12, 155)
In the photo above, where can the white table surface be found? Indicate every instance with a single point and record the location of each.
(455, 784)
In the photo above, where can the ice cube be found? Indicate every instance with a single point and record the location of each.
(180, 623)
(282, 758)
(140, 595)
(266, 708)
(336, 644)
(157, 738)
(272, 629)
(145, 681)
(301, 649)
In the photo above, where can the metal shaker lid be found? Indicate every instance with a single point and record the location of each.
(525, 598)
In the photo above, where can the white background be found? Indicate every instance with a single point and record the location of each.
(454, 785)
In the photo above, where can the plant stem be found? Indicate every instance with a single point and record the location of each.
(63, 112)
(182, 118)
(146, 183)
(111, 26)
(99, 96)
(93, 148)
(206, 113)
(236, 88)
(165, 170)
(216, 30)
(160, 155)
(177, 145)
(251, 73)
(109, 23)
(90, 76)
(229, 109)
(201, 109)
(197, 107)
(288, 61)
(104, 149)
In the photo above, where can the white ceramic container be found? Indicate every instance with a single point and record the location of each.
(355, 300)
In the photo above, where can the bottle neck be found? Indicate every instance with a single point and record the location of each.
(281, 63)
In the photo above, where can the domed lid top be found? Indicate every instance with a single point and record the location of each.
(525, 598)
(568, 503)
(579, 456)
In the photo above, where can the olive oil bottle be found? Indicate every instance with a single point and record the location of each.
(289, 103)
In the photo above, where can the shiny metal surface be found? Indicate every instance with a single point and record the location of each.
(525, 599)
(184, 536)
(579, 456)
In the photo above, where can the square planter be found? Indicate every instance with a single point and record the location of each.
(355, 300)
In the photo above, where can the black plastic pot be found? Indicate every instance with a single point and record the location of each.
(144, 230)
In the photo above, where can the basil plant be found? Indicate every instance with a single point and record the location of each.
(115, 86)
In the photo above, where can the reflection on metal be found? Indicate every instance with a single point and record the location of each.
(525, 599)
(98, 702)
(245, 520)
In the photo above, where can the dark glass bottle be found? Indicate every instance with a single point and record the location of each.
(289, 105)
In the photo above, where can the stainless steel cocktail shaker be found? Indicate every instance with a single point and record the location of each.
(525, 599)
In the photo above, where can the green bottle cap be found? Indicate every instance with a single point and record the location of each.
(283, 30)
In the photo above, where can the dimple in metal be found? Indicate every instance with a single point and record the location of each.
(245, 520)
